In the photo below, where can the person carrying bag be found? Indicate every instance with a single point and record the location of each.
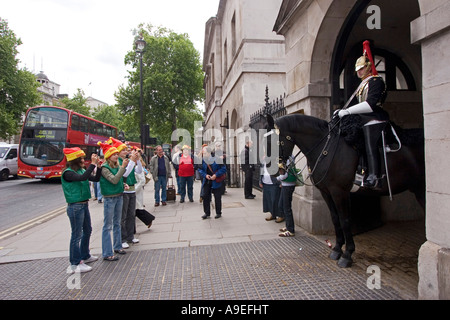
(212, 182)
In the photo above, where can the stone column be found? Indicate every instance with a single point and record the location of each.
(432, 31)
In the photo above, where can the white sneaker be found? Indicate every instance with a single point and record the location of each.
(125, 245)
(91, 259)
(78, 268)
(135, 240)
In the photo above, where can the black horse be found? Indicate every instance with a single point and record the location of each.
(333, 163)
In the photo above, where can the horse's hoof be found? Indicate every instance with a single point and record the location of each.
(344, 262)
(335, 255)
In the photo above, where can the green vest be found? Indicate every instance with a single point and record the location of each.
(107, 188)
(76, 191)
(131, 179)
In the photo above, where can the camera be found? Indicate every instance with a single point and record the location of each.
(127, 156)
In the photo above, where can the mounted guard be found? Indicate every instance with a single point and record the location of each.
(371, 95)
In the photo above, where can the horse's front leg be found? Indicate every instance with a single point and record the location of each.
(336, 252)
(342, 203)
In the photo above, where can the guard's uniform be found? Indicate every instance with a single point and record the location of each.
(374, 93)
(371, 95)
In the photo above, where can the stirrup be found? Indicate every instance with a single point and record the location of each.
(376, 183)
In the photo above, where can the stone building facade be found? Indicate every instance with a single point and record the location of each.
(49, 89)
(316, 43)
(411, 44)
(242, 55)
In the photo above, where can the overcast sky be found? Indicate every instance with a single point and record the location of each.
(82, 43)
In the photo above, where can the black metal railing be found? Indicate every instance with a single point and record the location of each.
(258, 121)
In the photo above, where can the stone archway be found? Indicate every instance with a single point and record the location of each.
(339, 43)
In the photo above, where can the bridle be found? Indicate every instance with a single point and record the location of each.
(323, 153)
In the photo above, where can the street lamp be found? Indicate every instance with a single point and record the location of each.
(140, 47)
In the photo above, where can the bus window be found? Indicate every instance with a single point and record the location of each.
(112, 132)
(41, 153)
(75, 122)
(92, 126)
(84, 124)
(47, 117)
(98, 128)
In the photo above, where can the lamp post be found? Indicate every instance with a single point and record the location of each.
(140, 46)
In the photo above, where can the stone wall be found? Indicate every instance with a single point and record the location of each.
(432, 31)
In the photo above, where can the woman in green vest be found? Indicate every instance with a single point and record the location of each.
(75, 183)
(129, 195)
(112, 187)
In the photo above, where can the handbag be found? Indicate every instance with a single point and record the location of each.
(218, 179)
(148, 177)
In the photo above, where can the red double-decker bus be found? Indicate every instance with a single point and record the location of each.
(47, 130)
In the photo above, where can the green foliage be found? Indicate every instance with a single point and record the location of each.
(17, 86)
(172, 83)
(77, 103)
(109, 115)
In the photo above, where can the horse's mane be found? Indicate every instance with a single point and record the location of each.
(292, 121)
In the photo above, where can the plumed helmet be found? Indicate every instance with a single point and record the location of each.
(362, 62)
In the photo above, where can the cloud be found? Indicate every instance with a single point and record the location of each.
(76, 42)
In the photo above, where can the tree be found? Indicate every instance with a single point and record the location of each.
(172, 83)
(111, 115)
(18, 87)
(77, 103)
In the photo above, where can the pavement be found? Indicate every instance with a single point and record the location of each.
(182, 257)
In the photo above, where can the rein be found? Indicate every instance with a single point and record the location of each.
(323, 153)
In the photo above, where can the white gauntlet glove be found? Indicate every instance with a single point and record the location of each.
(362, 107)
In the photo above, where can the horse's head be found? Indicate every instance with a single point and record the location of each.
(285, 141)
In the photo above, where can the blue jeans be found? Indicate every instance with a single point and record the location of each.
(161, 184)
(178, 183)
(80, 222)
(189, 183)
(99, 192)
(285, 207)
(112, 211)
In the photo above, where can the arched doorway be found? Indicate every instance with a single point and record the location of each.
(399, 62)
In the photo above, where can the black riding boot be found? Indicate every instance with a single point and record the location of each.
(371, 135)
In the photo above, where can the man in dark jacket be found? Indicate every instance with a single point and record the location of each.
(248, 167)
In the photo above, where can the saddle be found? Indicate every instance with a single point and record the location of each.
(394, 137)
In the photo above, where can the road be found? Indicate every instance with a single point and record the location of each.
(24, 199)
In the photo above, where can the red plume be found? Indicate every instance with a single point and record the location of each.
(368, 54)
